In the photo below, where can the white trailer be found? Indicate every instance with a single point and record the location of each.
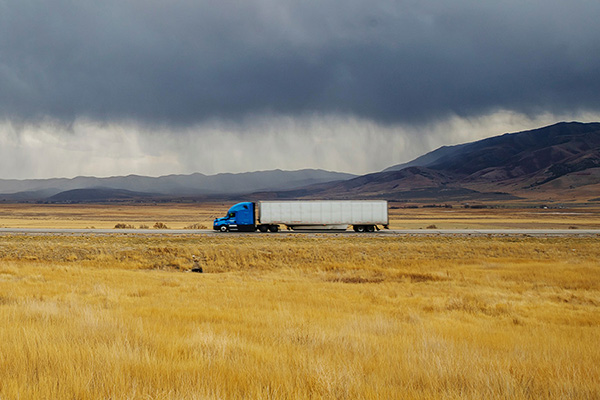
(362, 215)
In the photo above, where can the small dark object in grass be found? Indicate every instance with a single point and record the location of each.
(431, 227)
(196, 267)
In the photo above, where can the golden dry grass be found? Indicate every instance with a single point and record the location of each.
(299, 316)
(106, 216)
(497, 218)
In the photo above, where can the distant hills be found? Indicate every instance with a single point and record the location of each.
(560, 162)
(134, 187)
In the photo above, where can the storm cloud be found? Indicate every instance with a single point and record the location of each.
(156, 87)
(185, 62)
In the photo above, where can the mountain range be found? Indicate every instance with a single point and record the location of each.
(557, 162)
(560, 162)
(132, 187)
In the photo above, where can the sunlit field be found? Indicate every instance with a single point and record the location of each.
(201, 215)
(299, 316)
(104, 216)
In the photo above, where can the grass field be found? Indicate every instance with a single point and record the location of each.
(180, 216)
(299, 316)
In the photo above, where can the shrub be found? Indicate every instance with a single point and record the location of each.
(196, 226)
(124, 226)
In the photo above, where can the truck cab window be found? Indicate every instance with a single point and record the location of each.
(231, 214)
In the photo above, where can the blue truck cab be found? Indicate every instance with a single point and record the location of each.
(240, 217)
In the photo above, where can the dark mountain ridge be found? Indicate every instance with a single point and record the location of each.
(467, 158)
(527, 152)
(560, 161)
(98, 195)
(167, 186)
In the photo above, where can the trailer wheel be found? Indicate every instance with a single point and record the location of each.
(273, 228)
(370, 228)
(360, 228)
(224, 228)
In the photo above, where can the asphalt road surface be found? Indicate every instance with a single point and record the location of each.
(391, 232)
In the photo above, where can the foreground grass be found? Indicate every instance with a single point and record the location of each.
(299, 316)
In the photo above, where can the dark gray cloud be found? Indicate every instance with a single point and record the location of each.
(184, 62)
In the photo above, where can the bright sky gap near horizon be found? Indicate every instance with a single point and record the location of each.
(168, 87)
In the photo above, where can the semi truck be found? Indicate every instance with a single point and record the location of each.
(332, 215)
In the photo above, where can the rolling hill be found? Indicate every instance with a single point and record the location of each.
(557, 162)
(560, 162)
(132, 187)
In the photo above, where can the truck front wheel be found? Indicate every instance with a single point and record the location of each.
(223, 228)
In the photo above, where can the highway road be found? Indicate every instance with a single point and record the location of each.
(391, 232)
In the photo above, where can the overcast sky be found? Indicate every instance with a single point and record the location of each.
(156, 87)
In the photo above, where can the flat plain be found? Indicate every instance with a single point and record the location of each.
(194, 215)
(299, 315)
